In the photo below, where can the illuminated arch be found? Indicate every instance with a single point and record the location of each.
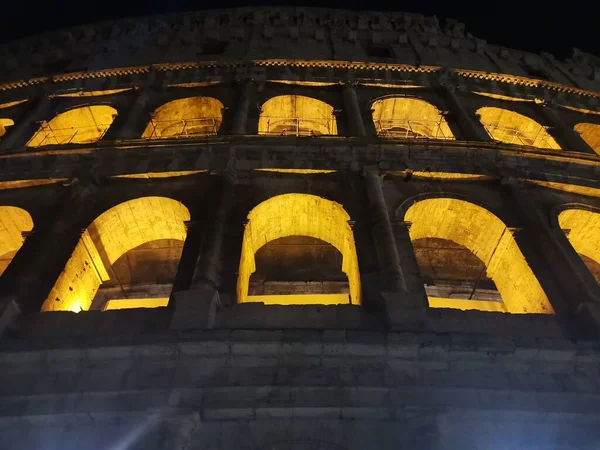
(13, 222)
(112, 234)
(486, 236)
(75, 126)
(513, 128)
(298, 215)
(590, 133)
(5, 123)
(583, 231)
(186, 117)
(296, 115)
(409, 117)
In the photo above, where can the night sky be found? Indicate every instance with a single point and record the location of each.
(553, 27)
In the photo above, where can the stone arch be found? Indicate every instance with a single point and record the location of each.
(511, 127)
(112, 234)
(488, 238)
(80, 125)
(296, 115)
(186, 117)
(5, 123)
(409, 118)
(582, 227)
(299, 215)
(13, 223)
(590, 133)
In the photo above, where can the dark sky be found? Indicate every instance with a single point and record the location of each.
(525, 25)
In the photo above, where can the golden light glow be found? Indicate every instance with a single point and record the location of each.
(404, 117)
(583, 231)
(75, 126)
(513, 128)
(186, 117)
(5, 123)
(581, 110)
(129, 303)
(298, 215)
(296, 115)
(486, 237)
(18, 184)
(301, 299)
(13, 222)
(393, 86)
(466, 305)
(194, 84)
(304, 83)
(113, 233)
(9, 104)
(299, 171)
(91, 93)
(150, 175)
(503, 97)
(574, 188)
(590, 133)
(439, 175)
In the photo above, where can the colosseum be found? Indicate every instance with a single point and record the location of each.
(297, 229)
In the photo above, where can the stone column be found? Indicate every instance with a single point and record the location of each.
(383, 237)
(196, 307)
(468, 123)
(131, 126)
(189, 255)
(565, 136)
(353, 114)
(35, 268)
(26, 125)
(568, 272)
(247, 94)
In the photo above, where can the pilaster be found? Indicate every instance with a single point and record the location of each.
(353, 114)
(27, 124)
(246, 97)
(565, 136)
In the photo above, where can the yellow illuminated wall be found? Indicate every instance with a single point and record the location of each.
(487, 237)
(583, 229)
(296, 115)
(513, 128)
(75, 126)
(298, 215)
(186, 117)
(13, 222)
(409, 117)
(112, 234)
(5, 123)
(590, 132)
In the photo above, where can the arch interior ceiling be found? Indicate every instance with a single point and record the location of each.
(590, 132)
(296, 115)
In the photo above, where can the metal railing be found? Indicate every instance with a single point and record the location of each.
(414, 129)
(298, 126)
(183, 128)
(47, 135)
(516, 136)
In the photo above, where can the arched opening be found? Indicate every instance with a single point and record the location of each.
(513, 128)
(444, 231)
(75, 126)
(582, 228)
(296, 115)
(590, 133)
(127, 257)
(4, 124)
(403, 117)
(301, 228)
(13, 223)
(185, 118)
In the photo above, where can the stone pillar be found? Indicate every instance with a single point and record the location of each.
(196, 307)
(25, 126)
(468, 123)
(565, 136)
(568, 272)
(35, 268)
(353, 114)
(247, 94)
(390, 272)
(131, 125)
(189, 255)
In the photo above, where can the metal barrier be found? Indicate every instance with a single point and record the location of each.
(298, 126)
(409, 128)
(47, 135)
(516, 136)
(183, 128)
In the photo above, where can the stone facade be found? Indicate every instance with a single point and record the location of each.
(209, 372)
